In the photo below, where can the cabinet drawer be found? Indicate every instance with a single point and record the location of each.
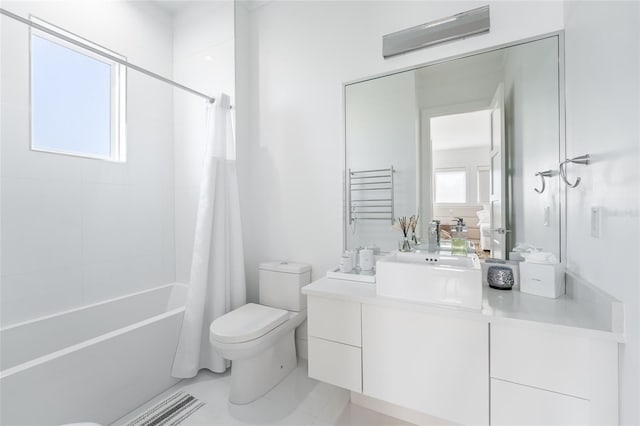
(335, 320)
(554, 361)
(513, 404)
(436, 365)
(335, 363)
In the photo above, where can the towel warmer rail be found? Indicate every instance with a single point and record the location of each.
(371, 194)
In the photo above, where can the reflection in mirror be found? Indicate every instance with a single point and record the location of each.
(465, 139)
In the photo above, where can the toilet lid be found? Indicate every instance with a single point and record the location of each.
(246, 323)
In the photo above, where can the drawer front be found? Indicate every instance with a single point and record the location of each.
(335, 320)
(335, 363)
(436, 365)
(547, 360)
(513, 404)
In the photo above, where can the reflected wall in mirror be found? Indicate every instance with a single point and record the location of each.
(464, 139)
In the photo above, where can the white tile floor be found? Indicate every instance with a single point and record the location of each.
(297, 401)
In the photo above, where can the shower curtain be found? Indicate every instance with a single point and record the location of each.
(217, 283)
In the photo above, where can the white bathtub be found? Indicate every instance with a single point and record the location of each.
(94, 363)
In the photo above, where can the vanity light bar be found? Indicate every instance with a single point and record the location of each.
(465, 24)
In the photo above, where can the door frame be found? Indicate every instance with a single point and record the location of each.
(424, 199)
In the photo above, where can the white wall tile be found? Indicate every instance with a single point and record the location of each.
(186, 212)
(105, 280)
(125, 220)
(31, 295)
(195, 31)
(151, 218)
(41, 225)
(107, 231)
(111, 225)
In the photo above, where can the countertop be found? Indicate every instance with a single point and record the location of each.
(595, 316)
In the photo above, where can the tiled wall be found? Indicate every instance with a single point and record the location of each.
(76, 230)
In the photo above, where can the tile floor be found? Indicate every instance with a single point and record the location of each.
(296, 401)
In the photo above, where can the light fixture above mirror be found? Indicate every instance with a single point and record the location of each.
(465, 24)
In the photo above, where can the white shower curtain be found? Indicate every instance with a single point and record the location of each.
(217, 283)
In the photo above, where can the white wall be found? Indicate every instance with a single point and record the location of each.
(532, 124)
(603, 96)
(300, 55)
(203, 51)
(75, 230)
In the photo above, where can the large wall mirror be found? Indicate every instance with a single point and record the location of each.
(475, 137)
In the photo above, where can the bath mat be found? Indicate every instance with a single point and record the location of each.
(173, 410)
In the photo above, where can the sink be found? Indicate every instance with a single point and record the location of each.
(431, 278)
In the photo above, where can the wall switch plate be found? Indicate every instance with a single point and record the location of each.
(547, 216)
(596, 222)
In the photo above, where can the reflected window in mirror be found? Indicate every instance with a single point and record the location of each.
(450, 186)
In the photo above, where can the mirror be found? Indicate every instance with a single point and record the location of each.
(472, 138)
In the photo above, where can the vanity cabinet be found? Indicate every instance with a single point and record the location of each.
(335, 353)
(513, 404)
(552, 377)
(430, 365)
(433, 364)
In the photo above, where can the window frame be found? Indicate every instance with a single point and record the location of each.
(118, 90)
(466, 186)
(483, 169)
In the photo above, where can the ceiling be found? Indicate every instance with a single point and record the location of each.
(174, 6)
(459, 131)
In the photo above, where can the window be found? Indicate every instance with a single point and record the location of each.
(450, 186)
(77, 98)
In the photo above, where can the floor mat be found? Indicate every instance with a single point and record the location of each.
(170, 411)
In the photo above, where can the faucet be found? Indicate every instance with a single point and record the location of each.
(434, 235)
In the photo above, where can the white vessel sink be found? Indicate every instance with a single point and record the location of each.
(431, 278)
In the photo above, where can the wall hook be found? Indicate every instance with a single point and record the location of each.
(546, 173)
(583, 159)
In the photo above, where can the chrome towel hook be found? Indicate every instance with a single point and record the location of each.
(583, 159)
(546, 173)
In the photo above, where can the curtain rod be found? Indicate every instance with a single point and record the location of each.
(105, 55)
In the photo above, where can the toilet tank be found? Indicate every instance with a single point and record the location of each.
(280, 284)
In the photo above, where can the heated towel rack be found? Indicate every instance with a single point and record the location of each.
(371, 195)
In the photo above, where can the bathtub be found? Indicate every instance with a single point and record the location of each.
(94, 363)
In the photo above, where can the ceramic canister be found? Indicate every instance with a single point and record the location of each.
(500, 277)
(366, 259)
(345, 264)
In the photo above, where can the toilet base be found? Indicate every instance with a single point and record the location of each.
(253, 377)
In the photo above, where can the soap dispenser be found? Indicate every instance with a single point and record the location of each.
(459, 238)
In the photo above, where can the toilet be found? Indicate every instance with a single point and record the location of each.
(259, 339)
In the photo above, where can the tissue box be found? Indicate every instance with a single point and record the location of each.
(542, 279)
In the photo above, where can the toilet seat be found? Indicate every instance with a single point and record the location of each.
(246, 323)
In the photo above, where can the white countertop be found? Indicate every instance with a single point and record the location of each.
(565, 314)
